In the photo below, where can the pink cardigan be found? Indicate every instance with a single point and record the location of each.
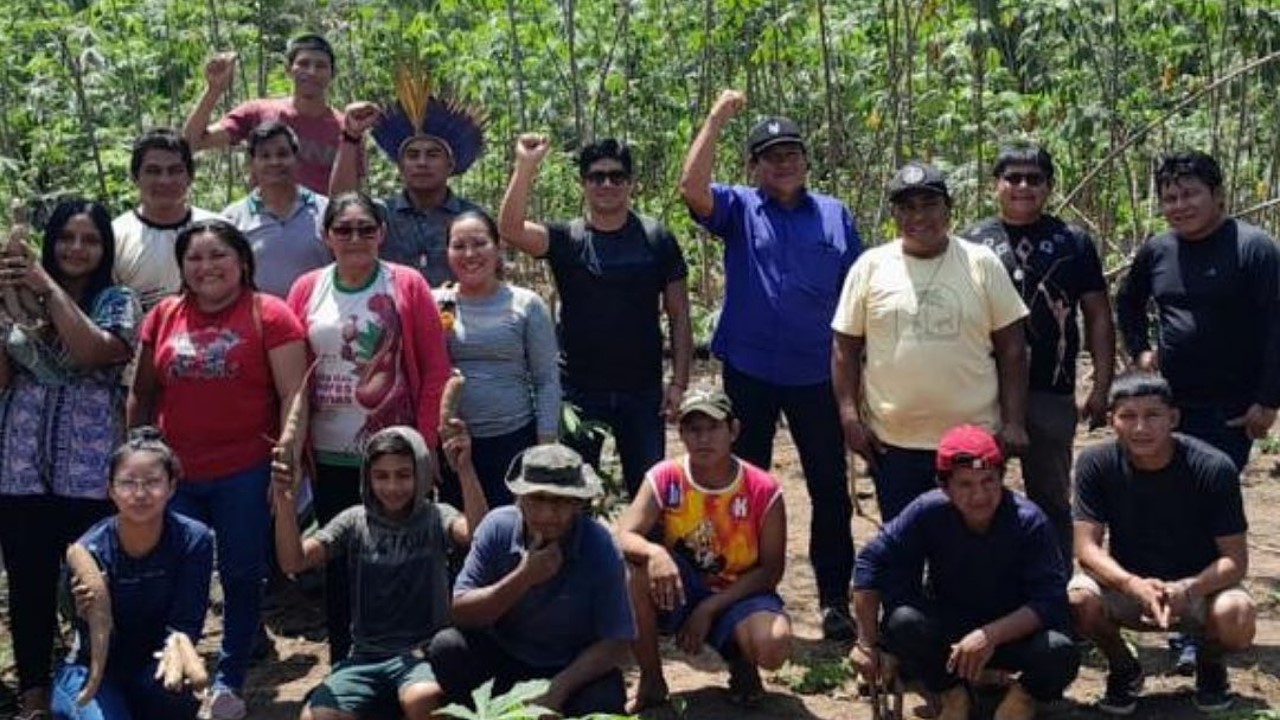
(425, 359)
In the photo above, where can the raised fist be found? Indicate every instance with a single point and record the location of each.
(729, 103)
(532, 147)
(358, 117)
(220, 70)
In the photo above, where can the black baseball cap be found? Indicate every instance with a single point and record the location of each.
(773, 131)
(918, 176)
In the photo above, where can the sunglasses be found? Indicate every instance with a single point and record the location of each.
(613, 177)
(1028, 179)
(346, 232)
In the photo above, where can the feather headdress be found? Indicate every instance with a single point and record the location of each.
(420, 112)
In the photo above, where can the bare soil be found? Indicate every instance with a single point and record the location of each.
(299, 659)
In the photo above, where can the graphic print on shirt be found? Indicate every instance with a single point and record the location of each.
(715, 532)
(1032, 267)
(366, 369)
(204, 354)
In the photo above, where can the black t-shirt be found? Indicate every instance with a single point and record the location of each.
(1162, 524)
(1218, 304)
(1052, 264)
(610, 286)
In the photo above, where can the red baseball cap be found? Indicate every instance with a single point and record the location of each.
(968, 446)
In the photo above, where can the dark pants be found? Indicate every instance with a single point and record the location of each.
(1046, 466)
(902, 475)
(335, 489)
(35, 531)
(1210, 425)
(635, 419)
(464, 660)
(815, 427)
(492, 457)
(1047, 660)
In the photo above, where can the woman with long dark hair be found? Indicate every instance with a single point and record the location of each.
(218, 366)
(61, 416)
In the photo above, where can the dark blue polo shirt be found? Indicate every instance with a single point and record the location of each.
(974, 578)
(554, 622)
(783, 271)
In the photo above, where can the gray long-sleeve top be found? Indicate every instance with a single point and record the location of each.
(505, 345)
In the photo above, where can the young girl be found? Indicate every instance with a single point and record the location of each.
(158, 566)
(394, 547)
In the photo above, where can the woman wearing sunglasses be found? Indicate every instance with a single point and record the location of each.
(374, 333)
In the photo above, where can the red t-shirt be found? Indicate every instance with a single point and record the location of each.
(218, 407)
(318, 137)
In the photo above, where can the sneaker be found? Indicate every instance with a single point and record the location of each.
(226, 705)
(837, 626)
(1213, 692)
(1184, 649)
(1123, 686)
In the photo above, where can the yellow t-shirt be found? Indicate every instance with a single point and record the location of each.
(927, 325)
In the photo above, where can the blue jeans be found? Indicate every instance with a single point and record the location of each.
(140, 697)
(635, 419)
(1210, 425)
(235, 507)
(815, 427)
(902, 475)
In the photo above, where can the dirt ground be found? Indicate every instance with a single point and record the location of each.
(299, 659)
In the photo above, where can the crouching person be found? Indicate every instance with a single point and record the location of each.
(395, 546)
(1177, 552)
(158, 566)
(542, 594)
(720, 544)
(995, 597)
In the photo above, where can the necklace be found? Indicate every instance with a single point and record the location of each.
(923, 295)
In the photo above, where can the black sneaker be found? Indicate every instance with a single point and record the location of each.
(1123, 686)
(1213, 692)
(837, 626)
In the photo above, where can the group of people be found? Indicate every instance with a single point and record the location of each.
(305, 337)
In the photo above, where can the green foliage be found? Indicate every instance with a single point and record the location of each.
(519, 703)
(818, 677)
(1102, 83)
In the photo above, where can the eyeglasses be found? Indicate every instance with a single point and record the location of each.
(346, 232)
(138, 486)
(614, 177)
(1029, 179)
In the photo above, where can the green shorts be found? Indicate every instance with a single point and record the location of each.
(360, 687)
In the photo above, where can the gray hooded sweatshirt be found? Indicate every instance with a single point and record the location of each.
(398, 569)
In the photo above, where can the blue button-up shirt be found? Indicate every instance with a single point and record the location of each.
(783, 267)
(284, 247)
(553, 622)
(419, 238)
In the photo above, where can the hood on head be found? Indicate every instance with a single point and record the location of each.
(423, 464)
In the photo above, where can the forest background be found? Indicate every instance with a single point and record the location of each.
(1106, 85)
